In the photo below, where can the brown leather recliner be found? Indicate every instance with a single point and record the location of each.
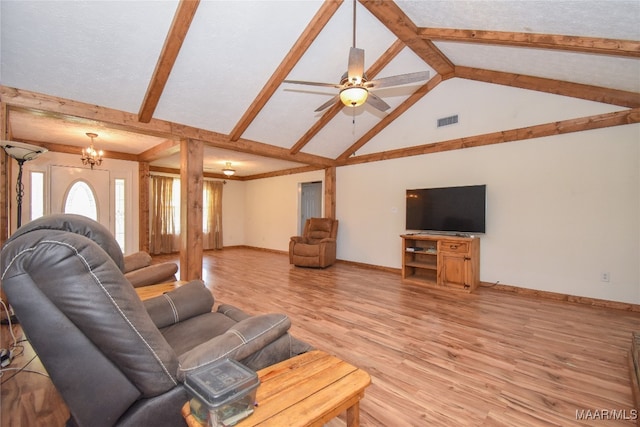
(317, 245)
(116, 360)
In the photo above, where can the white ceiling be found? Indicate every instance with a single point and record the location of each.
(104, 53)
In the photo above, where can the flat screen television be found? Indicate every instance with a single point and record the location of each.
(448, 209)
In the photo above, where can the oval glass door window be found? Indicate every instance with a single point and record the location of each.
(81, 200)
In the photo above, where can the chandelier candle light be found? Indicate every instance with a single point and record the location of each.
(90, 155)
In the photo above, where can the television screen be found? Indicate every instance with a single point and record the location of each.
(449, 209)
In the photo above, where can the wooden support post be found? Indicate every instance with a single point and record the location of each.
(330, 192)
(143, 206)
(191, 185)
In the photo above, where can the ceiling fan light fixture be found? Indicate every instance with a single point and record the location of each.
(228, 171)
(354, 96)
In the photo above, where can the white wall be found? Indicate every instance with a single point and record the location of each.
(271, 209)
(560, 210)
(233, 208)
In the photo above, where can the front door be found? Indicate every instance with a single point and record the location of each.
(83, 191)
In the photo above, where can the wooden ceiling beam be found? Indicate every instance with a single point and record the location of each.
(172, 44)
(601, 46)
(321, 18)
(598, 121)
(75, 150)
(167, 148)
(128, 122)
(390, 14)
(558, 87)
(382, 62)
(389, 118)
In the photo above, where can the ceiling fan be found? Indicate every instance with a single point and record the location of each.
(354, 87)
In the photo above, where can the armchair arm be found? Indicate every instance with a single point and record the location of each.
(298, 239)
(136, 261)
(241, 340)
(327, 240)
(153, 274)
(189, 300)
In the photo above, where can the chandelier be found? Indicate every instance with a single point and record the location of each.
(228, 171)
(89, 155)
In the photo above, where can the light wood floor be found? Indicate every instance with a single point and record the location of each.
(490, 358)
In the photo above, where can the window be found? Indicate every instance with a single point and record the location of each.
(37, 195)
(81, 200)
(119, 206)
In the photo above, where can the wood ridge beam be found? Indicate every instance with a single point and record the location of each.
(305, 40)
(601, 46)
(391, 16)
(580, 124)
(172, 45)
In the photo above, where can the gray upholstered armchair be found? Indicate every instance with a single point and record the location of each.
(317, 245)
(115, 359)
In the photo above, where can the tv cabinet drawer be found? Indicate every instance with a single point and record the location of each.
(454, 247)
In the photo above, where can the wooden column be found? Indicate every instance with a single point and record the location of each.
(143, 206)
(330, 192)
(191, 185)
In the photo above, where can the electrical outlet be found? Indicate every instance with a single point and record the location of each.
(604, 276)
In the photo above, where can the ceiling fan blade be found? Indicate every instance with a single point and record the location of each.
(302, 82)
(327, 104)
(401, 79)
(377, 103)
(356, 64)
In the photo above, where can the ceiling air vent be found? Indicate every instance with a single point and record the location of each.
(446, 121)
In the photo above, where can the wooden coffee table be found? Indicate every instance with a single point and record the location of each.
(306, 390)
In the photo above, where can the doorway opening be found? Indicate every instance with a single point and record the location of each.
(310, 205)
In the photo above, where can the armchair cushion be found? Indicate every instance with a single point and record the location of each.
(185, 302)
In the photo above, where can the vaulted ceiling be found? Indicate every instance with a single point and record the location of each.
(143, 74)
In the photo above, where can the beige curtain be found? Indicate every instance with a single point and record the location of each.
(164, 236)
(212, 215)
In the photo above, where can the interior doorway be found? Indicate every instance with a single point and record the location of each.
(310, 202)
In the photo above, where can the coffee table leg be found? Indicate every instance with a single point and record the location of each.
(353, 415)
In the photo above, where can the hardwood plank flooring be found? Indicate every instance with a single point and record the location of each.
(436, 358)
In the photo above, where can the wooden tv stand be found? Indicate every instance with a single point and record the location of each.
(442, 261)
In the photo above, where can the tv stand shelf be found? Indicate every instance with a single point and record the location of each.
(442, 261)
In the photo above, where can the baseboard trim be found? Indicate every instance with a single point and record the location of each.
(370, 266)
(595, 302)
